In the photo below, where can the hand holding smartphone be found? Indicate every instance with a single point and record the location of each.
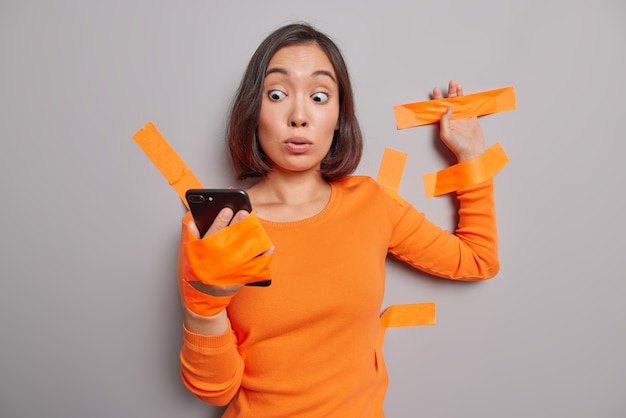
(206, 204)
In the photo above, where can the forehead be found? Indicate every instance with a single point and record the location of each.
(309, 56)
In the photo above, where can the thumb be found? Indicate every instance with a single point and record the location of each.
(444, 123)
(221, 221)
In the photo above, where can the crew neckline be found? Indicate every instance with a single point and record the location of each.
(318, 217)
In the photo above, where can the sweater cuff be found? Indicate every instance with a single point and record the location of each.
(200, 342)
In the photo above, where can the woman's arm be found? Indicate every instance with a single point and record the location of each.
(472, 252)
(211, 366)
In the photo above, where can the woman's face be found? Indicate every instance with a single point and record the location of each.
(299, 109)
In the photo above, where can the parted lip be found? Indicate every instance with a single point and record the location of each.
(298, 145)
(297, 140)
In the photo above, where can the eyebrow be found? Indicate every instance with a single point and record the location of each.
(280, 70)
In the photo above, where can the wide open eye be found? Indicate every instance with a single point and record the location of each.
(276, 95)
(320, 97)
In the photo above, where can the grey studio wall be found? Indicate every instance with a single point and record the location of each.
(89, 311)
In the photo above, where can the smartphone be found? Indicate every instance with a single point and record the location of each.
(205, 204)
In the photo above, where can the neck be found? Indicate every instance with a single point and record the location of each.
(283, 198)
(294, 189)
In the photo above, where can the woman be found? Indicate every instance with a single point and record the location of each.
(306, 345)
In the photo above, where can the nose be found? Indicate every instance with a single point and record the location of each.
(296, 124)
(298, 117)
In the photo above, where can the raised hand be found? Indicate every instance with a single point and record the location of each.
(463, 137)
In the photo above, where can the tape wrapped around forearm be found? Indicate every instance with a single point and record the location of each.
(230, 256)
(467, 173)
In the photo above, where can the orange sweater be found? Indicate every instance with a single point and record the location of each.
(306, 345)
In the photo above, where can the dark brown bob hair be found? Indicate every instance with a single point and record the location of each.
(248, 158)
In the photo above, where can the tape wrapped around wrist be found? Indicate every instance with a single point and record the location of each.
(467, 173)
(202, 303)
(230, 256)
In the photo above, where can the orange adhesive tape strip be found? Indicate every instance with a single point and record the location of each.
(173, 168)
(409, 315)
(231, 255)
(390, 172)
(477, 104)
(405, 315)
(201, 303)
(466, 173)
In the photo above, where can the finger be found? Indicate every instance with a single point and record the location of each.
(452, 89)
(444, 123)
(240, 216)
(191, 226)
(436, 93)
(221, 221)
(459, 90)
(269, 251)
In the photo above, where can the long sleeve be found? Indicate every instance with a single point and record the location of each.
(211, 367)
(469, 254)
